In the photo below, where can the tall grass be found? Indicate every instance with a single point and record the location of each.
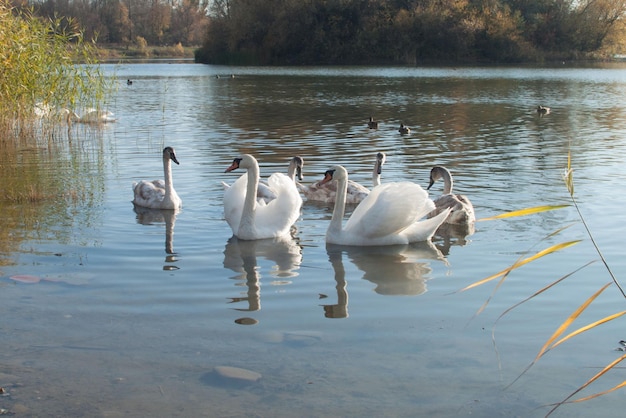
(45, 62)
(560, 335)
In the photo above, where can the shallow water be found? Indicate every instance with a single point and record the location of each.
(117, 325)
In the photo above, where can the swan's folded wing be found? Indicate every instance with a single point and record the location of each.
(389, 209)
(233, 201)
(265, 192)
(283, 211)
(147, 192)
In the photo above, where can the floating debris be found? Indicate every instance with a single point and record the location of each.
(236, 373)
(246, 321)
(25, 278)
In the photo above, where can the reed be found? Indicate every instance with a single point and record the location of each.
(561, 334)
(47, 66)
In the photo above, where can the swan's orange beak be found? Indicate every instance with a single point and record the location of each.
(328, 176)
(234, 165)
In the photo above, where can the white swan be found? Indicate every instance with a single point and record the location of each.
(159, 194)
(389, 215)
(251, 219)
(264, 191)
(91, 115)
(462, 211)
(94, 116)
(355, 193)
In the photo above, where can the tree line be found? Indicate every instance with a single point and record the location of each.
(126, 22)
(300, 32)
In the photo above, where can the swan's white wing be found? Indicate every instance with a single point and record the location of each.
(149, 194)
(389, 209)
(265, 193)
(276, 218)
(234, 197)
(425, 229)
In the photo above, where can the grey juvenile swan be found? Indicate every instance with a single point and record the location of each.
(462, 210)
(159, 194)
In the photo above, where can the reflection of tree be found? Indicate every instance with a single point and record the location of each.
(241, 257)
(49, 189)
(396, 270)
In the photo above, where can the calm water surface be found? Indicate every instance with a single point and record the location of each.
(135, 309)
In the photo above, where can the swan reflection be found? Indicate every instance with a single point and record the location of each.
(448, 235)
(395, 270)
(146, 216)
(241, 257)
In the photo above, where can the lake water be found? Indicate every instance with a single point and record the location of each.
(132, 312)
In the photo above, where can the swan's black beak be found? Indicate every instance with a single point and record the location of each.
(430, 184)
(234, 165)
(299, 172)
(173, 158)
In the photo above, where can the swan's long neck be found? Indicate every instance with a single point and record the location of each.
(249, 204)
(340, 206)
(167, 172)
(291, 171)
(447, 182)
(376, 174)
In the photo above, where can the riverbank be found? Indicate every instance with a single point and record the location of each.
(113, 51)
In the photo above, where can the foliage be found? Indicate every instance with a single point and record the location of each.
(121, 21)
(46, 66)
(405, 32)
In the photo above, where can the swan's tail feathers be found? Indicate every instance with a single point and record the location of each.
(226, 185)
(424, 230)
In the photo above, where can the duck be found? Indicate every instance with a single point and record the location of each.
(390, 215)
(404, 130)
(543, 110)
(251, 219)
(327, 192)
(129, 82)
(461, 209)
(159, 194)
(265, 192)
(372, 124)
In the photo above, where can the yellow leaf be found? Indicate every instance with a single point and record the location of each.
(556, 247)
(614, 388)
(569, 321)
(588, 327)
(590, 381)
(524, 212)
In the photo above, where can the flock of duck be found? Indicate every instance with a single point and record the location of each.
(373, 124)
(387, 214)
